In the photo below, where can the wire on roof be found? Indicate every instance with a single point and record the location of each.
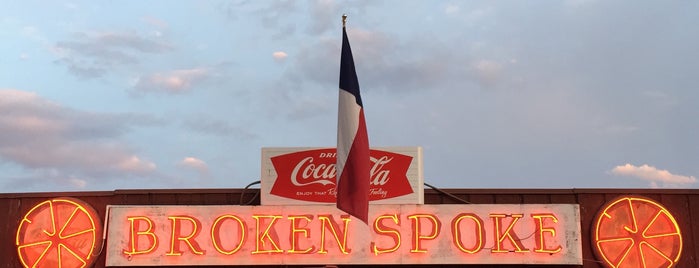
(257, 193)
(242, 194)
(447, 194)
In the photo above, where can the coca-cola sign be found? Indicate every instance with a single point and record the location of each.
(310, 174)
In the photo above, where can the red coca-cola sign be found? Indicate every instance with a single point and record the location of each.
(311, 175)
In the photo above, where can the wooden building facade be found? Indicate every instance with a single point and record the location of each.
(683, 204)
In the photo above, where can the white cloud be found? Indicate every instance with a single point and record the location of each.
(279, 56)
(487, 72)
(92, 54)
(451, 9)
(381, 61)
(173, 82)
(135, 164)
(32, 32)
(40, 135)
(78, 183)
(155, 22)
(323, 12)
(209, 126)
(195, 163)
(656, 177)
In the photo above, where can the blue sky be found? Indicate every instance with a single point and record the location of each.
(103, 95)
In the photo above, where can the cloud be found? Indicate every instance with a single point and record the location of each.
(155, 22)
(77, 183)
(656, 177)
(91, 55)
(487, 72)
(382, 62)
(279, 56)
(136, 165)
(451, 9)
(32, 33)
(195, 163)
(272, 16)
(215, 127)
(42, 136)
(323, 12)
(172, 82)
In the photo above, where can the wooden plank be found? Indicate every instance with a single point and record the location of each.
(446, 197)
(453, 200)
(536, 199)
(482, 199)
(678, 206)
(590, 205)
(563, 199)
(433, 198)
(10, 208)
(693, 232)
(164, 199)
(100, 203)
(132, 199)
(508, 199)
(250, 198)
(190, 199)
(214, 199)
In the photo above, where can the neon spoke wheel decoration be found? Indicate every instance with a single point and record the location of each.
(636, 232)
(61, 232)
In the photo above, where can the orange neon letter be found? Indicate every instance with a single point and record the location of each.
(540, 230)
(328, 222)
(508, 233)
(135, 233)
(478, 232)
(296, 231)
(176, 236)
(216, 231)
(417, 237)
(381, 229)
(260, 239)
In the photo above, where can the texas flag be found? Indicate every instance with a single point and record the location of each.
(353, 163)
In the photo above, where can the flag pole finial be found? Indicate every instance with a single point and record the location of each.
(344, 20)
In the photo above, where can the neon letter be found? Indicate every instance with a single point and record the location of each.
(134, 234)
(381, 229)
(216, 238)
(328, 222)
(176, 236)
(417, 237)
(296, 232)
(500, 236)
(539, 233)
(259, 239)
(478, 232)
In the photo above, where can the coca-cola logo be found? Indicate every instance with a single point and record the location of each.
(311, 175)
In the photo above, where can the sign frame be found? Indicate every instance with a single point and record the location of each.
(311, 235)
(325, 156)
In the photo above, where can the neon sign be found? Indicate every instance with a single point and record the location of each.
(397, 234)
(637, 232)
(61, 232)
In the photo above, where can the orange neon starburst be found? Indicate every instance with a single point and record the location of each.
(61, 232)
(636, 232)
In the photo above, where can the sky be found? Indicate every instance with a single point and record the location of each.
(105, 95)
